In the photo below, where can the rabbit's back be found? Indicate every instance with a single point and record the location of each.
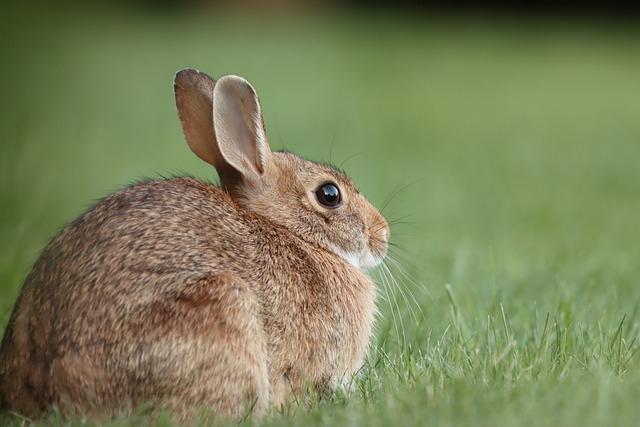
(101, 284)
(151, 230)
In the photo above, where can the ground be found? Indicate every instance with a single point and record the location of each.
(511, 147)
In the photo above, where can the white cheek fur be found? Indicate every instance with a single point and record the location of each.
(368, 260)
(361, 261)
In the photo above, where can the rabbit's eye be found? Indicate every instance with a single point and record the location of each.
(328, 195)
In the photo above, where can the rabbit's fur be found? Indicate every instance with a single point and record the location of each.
(184, 295)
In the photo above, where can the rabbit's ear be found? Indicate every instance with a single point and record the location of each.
(194, 101)
(239, 128)
(222, 123)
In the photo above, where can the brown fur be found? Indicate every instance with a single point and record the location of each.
(184, 295)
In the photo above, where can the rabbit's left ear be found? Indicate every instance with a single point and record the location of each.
(194, 94)
(239, 127)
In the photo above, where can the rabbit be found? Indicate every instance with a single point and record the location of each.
(183, 295)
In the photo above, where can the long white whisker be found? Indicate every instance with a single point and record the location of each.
(395, 301)
(402, 293)
(408, 291)
(420, 286)
(388, 299)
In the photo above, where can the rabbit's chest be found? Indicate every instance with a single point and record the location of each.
(319, 324)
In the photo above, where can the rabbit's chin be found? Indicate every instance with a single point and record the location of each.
(360, 260)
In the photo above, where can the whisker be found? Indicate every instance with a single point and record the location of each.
(419, 285)
(392, 219)
(360, 153)
(402, 236)
(395, 283)
(388, 300)
(394, 301)
(397, 190)
(407, 290)
(333, 140)
(396, 245)
(398, 314)
(403, 223)
(402, 258)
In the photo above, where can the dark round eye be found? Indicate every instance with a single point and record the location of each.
(328, 195)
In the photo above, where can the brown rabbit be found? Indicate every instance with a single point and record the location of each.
(184, 295)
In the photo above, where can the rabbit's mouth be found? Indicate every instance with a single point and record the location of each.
(362, 260)
(369, 260)
(372, 251)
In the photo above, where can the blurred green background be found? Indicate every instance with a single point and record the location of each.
(511, 145)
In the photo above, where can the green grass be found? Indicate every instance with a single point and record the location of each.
(520, 142)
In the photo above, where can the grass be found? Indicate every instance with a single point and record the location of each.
(515, 143)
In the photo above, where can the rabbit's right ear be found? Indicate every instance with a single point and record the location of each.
(239, 127)
(194, 101)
